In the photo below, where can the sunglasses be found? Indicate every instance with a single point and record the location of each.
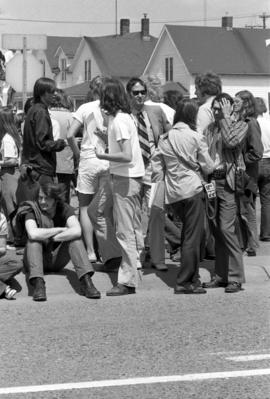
(137, 92)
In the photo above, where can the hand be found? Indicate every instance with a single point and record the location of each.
(226, 107)
(99, 154)
(56, 237)
(102, 134)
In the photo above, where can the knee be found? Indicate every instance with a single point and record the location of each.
(3, 251)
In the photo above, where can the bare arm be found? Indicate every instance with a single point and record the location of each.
(36, 233)
(125, 155)
(72, 131)
(71, 231)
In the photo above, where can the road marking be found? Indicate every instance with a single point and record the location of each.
(248, 358)
(135, 381)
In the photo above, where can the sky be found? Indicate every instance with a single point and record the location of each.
(98, 17)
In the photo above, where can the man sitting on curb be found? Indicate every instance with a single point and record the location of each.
(53, 239)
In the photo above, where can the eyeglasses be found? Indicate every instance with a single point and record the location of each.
(137, 92)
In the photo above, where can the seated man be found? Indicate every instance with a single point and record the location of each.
(7, 269)
(53, 239)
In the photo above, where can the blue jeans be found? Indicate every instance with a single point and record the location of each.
(264, 190)
(40, 258)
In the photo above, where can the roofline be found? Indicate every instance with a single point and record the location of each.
(154, 49)
(79, 48)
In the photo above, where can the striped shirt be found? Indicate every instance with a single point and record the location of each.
(225, 140)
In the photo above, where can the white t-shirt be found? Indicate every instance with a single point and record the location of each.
(8, 147)
(264, 122)
(168, 111)
(89, 115)
(205, 115)
(122, 127)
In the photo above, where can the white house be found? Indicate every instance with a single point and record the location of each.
(239, 55)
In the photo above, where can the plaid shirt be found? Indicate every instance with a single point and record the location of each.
(226, 138)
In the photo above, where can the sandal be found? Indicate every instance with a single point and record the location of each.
(10, 293)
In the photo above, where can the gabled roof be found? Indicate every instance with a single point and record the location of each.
(68, 44)
(235, 51)
(122, 56)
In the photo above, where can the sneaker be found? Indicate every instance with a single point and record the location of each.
(10, 293)
(233, 287)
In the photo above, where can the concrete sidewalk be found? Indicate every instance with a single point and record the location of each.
(257, 271)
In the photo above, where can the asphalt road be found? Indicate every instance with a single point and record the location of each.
(206, 346)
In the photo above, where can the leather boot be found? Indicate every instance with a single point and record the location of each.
(39, 293)
(88, 288)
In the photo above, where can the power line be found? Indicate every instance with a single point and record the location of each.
(112, 22)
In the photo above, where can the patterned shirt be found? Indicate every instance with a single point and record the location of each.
(225, 140)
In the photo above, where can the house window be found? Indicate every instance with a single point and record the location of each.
(87, 70)
(63, 69)
(169, 69)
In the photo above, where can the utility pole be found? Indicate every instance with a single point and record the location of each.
(116, 17)
(264, 17)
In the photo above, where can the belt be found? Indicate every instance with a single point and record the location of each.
(218, 174)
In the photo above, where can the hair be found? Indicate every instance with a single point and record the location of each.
(114, 97)
(53, 190)
(260, 105)
(42, 86)
(209, 83)
(62, 100)
(220, 96)
(172, 98)
(28, 104)
(95, 88)
(8, 125)
(132, 82)
(186, 111)
(154, 89)
(249, 104)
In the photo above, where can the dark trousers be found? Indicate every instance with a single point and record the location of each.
(264, 189)
(39, 258)
(191, 211)
(66, 179)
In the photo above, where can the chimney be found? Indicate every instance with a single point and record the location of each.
(145, 28)
(227, 22)
(124, 26)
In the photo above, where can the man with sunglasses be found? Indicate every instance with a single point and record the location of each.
(151, 122)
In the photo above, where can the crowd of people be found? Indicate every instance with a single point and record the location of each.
(195, 165)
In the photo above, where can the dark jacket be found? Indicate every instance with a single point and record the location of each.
(38, 145)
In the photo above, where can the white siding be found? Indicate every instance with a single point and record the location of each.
(156, 66)
(41, 56)
(78, 69)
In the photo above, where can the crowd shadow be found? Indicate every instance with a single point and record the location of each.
(169, 277)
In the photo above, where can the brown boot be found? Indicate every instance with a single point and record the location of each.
(88, 288)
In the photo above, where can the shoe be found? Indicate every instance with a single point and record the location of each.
(214, 284)
(10, 293)
(189, 289)
(88, 288)
(39, 294)
(183, 289)
(251, 252)
(266, 239)
(121, 289)
(161, 267)
(233, 287)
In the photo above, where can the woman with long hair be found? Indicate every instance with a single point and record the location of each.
(10, 149)
(183, 157)
(245, 108)
(127, 169)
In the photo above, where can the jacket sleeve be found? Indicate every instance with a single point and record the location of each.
(233, 133)
(158, 166)
(44, 136)
(253, 149)
(206, 163)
